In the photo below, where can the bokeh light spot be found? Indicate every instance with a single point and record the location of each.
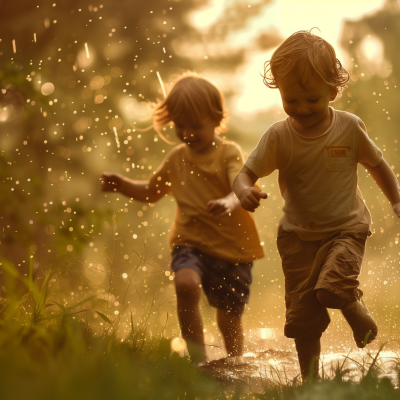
(178, 345)
(47, 89)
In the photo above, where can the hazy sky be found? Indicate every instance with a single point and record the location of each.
(289, 16)
(286, 17)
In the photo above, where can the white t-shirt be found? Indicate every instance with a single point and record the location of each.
(317, 175)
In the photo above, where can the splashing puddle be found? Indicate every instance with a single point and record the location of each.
(263, 369)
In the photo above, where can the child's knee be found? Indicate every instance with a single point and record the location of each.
(330, 300)
(187, 283)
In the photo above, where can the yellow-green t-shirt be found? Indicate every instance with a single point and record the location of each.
(195, 179)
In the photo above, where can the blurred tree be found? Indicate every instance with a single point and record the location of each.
(385, 25)
(373, 94)
(75, 82)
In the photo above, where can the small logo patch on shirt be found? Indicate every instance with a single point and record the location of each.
(338, 151)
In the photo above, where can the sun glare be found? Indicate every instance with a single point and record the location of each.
(372, 48)
(205, 18)
(267, 333)
(287, 17)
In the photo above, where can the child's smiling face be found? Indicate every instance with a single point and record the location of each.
(199, 136)
(308, 107)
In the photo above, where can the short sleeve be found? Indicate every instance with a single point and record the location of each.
(234, 161)
(162, 175)
(263, 160)
(367, 151)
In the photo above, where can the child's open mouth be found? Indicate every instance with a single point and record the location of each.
(304, 115)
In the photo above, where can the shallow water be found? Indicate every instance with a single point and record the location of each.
(267, 365)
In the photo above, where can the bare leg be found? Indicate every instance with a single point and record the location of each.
(188, 290)
(230, 326)
(308, 350)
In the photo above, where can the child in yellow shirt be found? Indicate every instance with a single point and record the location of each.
(322, 235)
(213, 240)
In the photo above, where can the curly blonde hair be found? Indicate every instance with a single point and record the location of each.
(302, 56)
(195, 96)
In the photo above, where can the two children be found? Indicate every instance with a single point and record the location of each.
(322, 235)
(213, 240)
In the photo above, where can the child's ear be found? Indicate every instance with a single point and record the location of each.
(216, 123)
(334, 93)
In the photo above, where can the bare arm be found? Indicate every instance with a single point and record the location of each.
(387, 182)
(243, 186)
(138, 190)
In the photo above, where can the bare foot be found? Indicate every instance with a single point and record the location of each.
(363, 325)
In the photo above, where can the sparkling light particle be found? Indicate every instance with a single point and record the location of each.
(161, 84)
(116, 137)
(178, 345)
(87, 50)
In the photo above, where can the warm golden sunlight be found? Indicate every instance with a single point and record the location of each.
(151, 154)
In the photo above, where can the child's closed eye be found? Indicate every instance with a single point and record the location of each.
(313, 100)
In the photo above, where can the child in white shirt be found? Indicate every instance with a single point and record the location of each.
(321, 237)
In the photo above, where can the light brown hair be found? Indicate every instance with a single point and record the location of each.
(302, 56)
(195, 96)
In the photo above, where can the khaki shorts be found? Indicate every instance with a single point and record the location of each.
(332, 263)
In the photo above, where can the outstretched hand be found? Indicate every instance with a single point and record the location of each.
(110, 181)
(250, 198)
(219, 207)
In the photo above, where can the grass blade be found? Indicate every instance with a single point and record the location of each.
(105, 318)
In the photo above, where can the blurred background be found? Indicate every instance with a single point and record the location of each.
(76, 79)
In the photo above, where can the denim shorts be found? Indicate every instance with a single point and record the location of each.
(332, 263)
(226, 285)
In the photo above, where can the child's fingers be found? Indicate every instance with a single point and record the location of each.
(249, 208)
(215, 208)
(255, 198)
(222, 210)
(212, 205)
(260, 195)
(226, 211)
(252, 200)
(250, 203)
(106, 175)
(109, 182)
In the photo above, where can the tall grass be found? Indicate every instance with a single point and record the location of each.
(55, 355)
(50, 349)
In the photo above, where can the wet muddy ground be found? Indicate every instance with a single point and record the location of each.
(267, 365)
